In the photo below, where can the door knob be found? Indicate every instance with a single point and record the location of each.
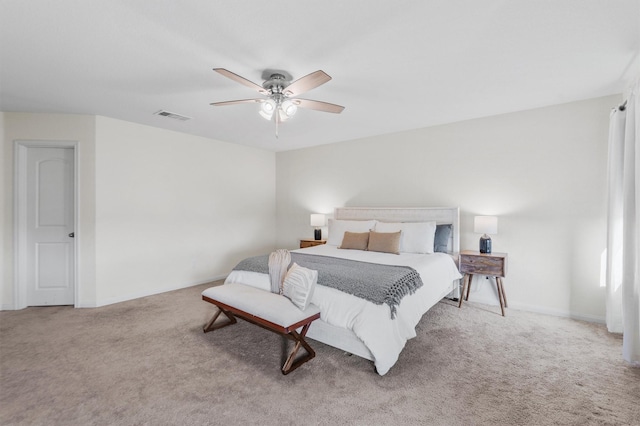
(72, 235)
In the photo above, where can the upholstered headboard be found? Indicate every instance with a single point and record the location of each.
(441, 215)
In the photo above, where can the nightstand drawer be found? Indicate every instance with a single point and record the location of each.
(483, 265)
(311, 243)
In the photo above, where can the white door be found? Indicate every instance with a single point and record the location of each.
(49, 273)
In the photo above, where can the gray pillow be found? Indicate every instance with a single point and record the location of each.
(441, 240)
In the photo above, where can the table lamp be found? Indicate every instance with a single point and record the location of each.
(317, 220)
(485, 225)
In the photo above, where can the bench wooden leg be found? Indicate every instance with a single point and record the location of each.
(290, 364)
(210, 326)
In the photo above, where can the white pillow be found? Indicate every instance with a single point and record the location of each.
(299, 284)
(337, 228)
(417, 237)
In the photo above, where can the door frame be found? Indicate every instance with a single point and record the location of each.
(20, 149)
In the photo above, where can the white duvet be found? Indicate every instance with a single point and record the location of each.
(384, 337)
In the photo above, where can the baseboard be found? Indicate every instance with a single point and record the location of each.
(124, 298)
(558, 313)
(150, 292)
(476, 299)
(541, 310)
(588, 318)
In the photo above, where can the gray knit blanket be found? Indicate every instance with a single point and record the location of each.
(370, 281)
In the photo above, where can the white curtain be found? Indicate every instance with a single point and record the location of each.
(623, 228)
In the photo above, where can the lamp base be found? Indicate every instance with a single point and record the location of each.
(317, 234)
(485, 244)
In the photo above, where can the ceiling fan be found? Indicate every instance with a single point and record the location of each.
(280, 102)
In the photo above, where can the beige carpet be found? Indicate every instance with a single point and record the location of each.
(147, 361)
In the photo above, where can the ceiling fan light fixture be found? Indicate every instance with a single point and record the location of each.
(282, 115)
(289, 108)
(265, 115)
(268, 106)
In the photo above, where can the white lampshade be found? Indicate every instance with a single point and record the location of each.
(485, 225)
(289, 108)
(317, 219)
(267, 108)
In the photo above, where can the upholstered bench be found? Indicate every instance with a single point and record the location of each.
(265, 309)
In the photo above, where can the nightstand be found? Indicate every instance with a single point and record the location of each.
(311, 243)
(489, 264)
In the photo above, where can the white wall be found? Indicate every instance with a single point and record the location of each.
(158, 210)
(5, 274)
(174, 210)
(62, 127)
(162, 210)
(543, 172)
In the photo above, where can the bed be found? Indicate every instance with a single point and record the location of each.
(361, 327)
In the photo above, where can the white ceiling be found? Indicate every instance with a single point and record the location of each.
(396, 65)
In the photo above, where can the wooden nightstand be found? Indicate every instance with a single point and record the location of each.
(490, 264)
(311, 243)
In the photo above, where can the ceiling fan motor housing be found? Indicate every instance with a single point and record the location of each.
(276, 83)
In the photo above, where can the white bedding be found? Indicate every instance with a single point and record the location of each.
(383, 336)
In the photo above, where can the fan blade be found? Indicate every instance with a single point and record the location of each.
(318, 105)
(240, 101)
(306, 83)
(235, 77)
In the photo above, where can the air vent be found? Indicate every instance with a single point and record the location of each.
(172, 115)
